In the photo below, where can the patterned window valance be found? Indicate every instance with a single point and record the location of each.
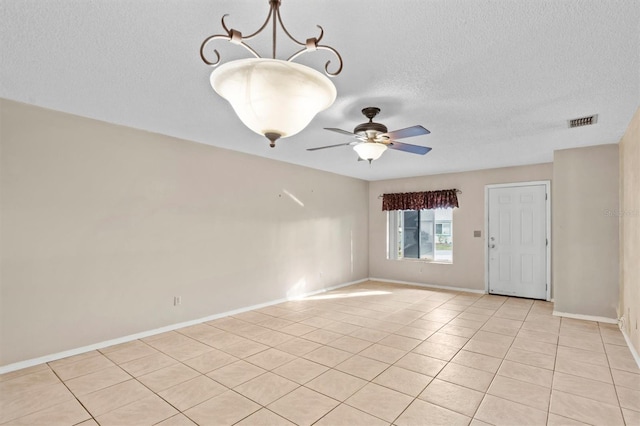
(443, 199)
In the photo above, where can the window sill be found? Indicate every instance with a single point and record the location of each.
(437, 262)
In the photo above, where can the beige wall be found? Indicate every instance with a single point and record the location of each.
(468, 267)
(103, 225)
(585, 231)
(630, 230)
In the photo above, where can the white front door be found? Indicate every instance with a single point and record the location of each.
(517, 240)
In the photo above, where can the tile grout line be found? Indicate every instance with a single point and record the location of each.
(330, 368)
(74, 395)
(372, 380)
(615, 388)
(498, 369)
(417, 397)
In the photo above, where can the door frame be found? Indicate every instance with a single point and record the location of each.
(547, 184)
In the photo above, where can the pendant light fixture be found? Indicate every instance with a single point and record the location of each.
(273, 97)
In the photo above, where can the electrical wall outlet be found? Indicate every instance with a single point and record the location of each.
(177, 300)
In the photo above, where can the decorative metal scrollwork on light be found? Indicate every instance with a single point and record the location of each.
(236, 37)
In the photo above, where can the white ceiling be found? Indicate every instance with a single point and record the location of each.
(494, 81)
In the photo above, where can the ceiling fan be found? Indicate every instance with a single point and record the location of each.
(373, 138)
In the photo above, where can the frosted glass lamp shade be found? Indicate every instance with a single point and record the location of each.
(370, 150)
(273, 96)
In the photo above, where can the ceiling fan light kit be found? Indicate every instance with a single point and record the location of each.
(369, 150)
(273, 97)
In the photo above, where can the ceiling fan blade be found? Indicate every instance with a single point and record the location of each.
(408, 132)
(344, 132)
(329, 146)
(407, 147)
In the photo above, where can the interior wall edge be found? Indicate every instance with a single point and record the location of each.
(632, 348)
(629, 223)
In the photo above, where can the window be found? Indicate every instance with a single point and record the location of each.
(421, 234)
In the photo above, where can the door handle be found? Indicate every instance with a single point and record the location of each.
(492, 246)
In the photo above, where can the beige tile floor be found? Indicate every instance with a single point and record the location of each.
(369, 354)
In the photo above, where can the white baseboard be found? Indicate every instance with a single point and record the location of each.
(631, 347)
(586, 317)
(441, 287)
(52, 357)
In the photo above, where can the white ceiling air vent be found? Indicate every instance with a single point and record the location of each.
(583, 121)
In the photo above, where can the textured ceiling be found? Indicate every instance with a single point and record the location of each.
(494, 81)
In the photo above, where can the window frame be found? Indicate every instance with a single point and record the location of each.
(395, 240)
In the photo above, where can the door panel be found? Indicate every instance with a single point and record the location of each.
(517, 241)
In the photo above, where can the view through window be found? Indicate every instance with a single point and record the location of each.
(421, 234)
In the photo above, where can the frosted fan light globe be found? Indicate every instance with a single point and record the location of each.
(370, 150)
(273, 96)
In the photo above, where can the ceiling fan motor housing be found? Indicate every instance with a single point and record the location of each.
(366, 129)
